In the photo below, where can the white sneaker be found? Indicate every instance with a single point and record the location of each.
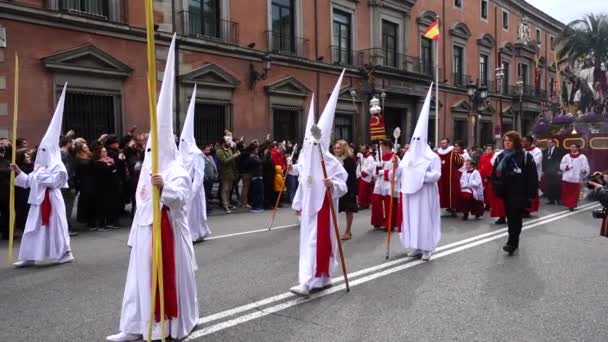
(122, 337)
(24, 263)
(67, 258)
(414, 254)
(300, 290)
(426, 256)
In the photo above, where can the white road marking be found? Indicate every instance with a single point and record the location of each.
(261, 230)
(463, 245)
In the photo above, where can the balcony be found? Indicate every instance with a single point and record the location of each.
(278, 42)
(461, 80)
(390, 59)
(103, 10)
(342, 56)
(528, 92)
(223, 31)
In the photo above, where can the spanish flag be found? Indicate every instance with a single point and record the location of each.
(432, 32)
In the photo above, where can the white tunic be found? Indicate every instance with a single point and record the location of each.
(421, 226)
(136, 305)
(537, 155)
(197, 210)
(577, 168)
(367, 167)
(382, 174)
(308, 227)
(472, 183)
(45, 243)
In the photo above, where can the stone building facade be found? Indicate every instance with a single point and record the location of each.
(256, 64)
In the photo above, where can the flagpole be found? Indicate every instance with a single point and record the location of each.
(437, 86)
(11, 222)
(157, 276)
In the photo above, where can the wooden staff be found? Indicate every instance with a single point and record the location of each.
(157, 281)
(389, 229)
(316, 134)
(11, 205)
(276, 205)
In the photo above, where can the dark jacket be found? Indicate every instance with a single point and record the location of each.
(254, 165)
(68, 162)
(551, 162)
(518, 188)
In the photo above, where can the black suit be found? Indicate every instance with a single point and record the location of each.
(552, 176)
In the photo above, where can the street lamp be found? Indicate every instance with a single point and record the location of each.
(477, 97)
(255, 76)
(500, 76)
(520, 93)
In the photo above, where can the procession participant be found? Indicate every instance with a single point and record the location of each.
(178, 260)
(419, 172)
(528, 145)
(382, 188)
(497, 205)
(318, 241)
(194, 163)
(575, 168)
(552, 176)
(485, 170)
(471, 186)
(366, 182)
(462, 150)
(348, 202)
(45, 237)
(449, 183)
(516, 182)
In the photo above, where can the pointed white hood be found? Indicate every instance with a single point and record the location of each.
(49, 154)
(419, 155)
(326, 121)
(187, 142)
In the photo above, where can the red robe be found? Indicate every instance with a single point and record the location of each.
(485, 170)
(449, 183)
(381, 203)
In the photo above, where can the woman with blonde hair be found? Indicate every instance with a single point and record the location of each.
(348, 202)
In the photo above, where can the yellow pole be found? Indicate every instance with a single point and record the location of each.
(157, 281)
(557, 71)
(11, 222)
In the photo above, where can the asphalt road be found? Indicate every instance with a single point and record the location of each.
(554, 289)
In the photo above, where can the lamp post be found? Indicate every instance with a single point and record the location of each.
(353, 96)
(500, 76)
(520, 93)
(477, 97)
(255, 75)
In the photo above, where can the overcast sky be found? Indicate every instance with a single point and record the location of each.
(568, 10)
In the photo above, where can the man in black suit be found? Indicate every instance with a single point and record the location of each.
(552, 176)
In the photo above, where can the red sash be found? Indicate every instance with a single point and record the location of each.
(45, 208)
(324, 250)
(168, 271)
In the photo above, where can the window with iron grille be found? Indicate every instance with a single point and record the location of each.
(286, 125)
(342, 37)
(389, 43)
(538, 37)
(460, 130)
(505, 80)
(523, 74)
(90, 115)
(283, 25)
(94, 8)
(484, 9)
(483, 70)
(426, 48)
(209, 123)
(205, 17)
(343, 127)
(487, 133)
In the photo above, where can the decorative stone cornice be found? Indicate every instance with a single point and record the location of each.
(289, 86)
(210, 75)
(87, 59)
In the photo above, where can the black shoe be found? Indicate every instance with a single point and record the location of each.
(572, 209)
(526, 215)
(73, 233)
(501, 221)
(465, 218)
(509, 249)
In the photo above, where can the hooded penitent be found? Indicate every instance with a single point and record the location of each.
(187, 143)
(311, 172)
(167, 150)
(419, 155)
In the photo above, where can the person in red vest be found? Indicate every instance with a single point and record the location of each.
(382, 189)
(485, 169)
(449, 183)
(575, 168)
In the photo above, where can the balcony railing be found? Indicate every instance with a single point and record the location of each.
(113, 11)
(527, 92)
(285, 44)
(461, 80)
(390, 59)
(223, 31)
(344, 56)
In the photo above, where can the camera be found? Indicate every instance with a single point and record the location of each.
(598, 178)
(599, 213)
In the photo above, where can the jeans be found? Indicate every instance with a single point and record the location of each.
(226, 191)
(246, 178)
(515, 222)
(292, 186)
(257, 193)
